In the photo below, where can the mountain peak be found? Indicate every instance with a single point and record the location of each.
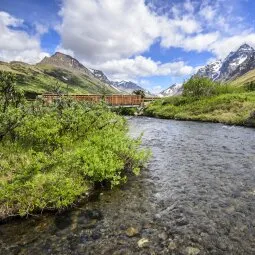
(245, 47)
(234, 65)
(62, 60)
(174, 90)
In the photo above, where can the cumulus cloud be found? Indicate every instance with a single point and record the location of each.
(101, 30)
(16, 44)
(143, 67)
(112, 35)
(222, 47)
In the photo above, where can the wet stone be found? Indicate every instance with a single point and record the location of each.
(192, 251)
(162, 236)
(172, 245)
(130, 232)
(143, 243)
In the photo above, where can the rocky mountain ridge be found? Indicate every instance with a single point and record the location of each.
(173, 90)
(233, 66)
(62, 60)
(121, 86)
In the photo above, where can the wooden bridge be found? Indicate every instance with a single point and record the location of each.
(112, 100)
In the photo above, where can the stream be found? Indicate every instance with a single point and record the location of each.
(196, 196)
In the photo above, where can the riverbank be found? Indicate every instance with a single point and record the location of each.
(52, 155)
(56, 154)
(196, 196)
(231, 109)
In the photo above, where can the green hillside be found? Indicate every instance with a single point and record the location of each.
(205, 100)
(49, 78)
(248, 77)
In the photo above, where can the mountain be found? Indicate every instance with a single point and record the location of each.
(61, 72)
(121, 86)
(58, 73)
(70, 71)
(102, 77)
(233, 66)
(173, 90)
(64, 61)
(211, 71)
(127, 86)
(247, 77)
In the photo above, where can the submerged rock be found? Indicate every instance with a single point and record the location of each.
(142, 243)
(130, 232)
(192, 251)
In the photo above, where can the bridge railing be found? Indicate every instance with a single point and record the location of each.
(112, 100)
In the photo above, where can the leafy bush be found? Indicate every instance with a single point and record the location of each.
(126, 111)
(250, 86)
(233, 108)
(199, 87)
(50, 155)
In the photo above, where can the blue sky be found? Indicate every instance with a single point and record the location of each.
(154, 42)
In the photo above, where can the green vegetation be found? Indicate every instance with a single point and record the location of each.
(126, 111)
(244, 79)
(139, 92)
(45, 78)
(51, 155)
(205, 100)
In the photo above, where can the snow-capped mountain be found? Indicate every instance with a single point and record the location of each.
(127, 86)
(173, 90)
(238, 63)
(121, 86)
(234, 65)
(102, 77)
(212, 70)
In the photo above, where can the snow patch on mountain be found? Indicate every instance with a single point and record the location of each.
(173, 90)
(234, 65)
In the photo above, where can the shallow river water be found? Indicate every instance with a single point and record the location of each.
(196, 196)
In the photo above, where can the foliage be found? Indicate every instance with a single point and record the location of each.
(250, 86)
(199, 87)
(54, 153)
(206, 100)
(43, 78)
(139, 92)
(232, 108)
(126, 111)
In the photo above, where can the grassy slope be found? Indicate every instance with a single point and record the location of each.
(248, 77)
(42, 79)
(226, 108)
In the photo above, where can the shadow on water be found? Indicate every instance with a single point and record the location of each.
(196, 197)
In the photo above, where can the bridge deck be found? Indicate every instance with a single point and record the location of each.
(112, 100)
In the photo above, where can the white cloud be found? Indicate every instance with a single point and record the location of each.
(142, 67)
(223, 46)
(102, 30)
(208, 13)
(16, 44)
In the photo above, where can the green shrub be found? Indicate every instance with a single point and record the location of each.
(199, 87)
(250, 86)
(52, 154)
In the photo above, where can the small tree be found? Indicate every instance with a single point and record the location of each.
(139, 92)
(11, 99)
(250, 86)
(199, 87)
(9, 95)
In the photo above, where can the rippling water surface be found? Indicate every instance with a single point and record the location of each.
(197, 196)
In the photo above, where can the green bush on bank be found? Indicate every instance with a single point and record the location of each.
(51, 155)
(206, 100)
